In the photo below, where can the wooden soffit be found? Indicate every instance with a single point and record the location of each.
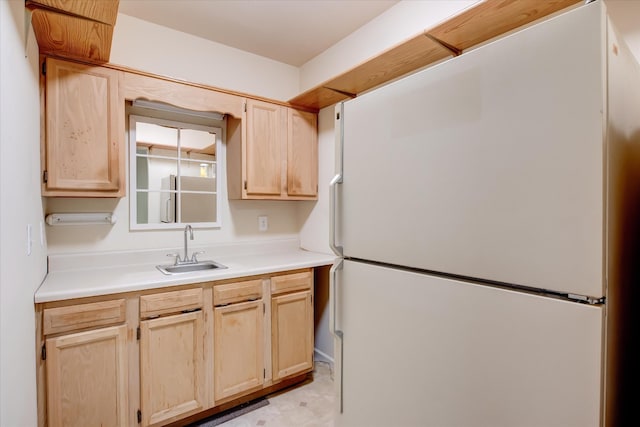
(77, 29)
(475, 25)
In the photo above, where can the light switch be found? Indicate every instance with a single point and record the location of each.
(29, 238)
(263, 223)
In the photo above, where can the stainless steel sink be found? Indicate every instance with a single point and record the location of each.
(190, 267)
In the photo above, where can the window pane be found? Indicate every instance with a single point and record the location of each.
(197, 207)
(199, 141)
(162, 170)
(155, 207)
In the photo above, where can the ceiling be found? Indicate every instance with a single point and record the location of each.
(288, 31)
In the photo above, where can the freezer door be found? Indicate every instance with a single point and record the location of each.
(489, 165)
(425, 351)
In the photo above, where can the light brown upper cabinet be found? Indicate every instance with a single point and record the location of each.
(265, 124)
(272, 153)
(302, 154)
(83, 152)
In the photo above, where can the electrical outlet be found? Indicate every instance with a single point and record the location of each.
(263, 223)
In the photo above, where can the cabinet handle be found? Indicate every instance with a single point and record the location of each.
(332, 326)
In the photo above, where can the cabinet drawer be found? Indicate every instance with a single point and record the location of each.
(291, 282)
(170, 302)
(237, 292)
(73, 317)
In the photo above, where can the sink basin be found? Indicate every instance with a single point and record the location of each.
(189, 268)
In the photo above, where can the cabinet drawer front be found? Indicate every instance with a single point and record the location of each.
(237, 292)
(291, 282)
(170, 302)
(64, 319)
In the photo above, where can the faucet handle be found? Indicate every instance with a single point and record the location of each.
(194, 256)
(176, 256)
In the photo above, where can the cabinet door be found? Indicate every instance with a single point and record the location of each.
(302, 154)
(263, 154)
(84, 131)
(291, 333)
(171, 367)
(87, 378)
(238, 348)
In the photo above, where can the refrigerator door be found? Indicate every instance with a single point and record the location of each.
(420, 350)
(489, 165)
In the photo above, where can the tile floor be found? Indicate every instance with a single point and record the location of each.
(308, 405)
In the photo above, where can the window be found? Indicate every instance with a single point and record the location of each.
(174, 171)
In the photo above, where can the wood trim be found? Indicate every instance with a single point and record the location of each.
(41, 373)
(189, 96)
(209, 349)
(170, 302)
(133, 348)
(64, 319)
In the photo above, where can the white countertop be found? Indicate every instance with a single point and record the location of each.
(85, 275)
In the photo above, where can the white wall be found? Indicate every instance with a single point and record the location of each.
(20, 205)
(145, 46)
(626, 16)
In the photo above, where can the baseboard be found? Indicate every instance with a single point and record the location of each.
(322, 356)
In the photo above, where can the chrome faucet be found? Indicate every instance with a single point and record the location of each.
(190, 230)
(185, 259)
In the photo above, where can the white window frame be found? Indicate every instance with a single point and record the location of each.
(133, 191)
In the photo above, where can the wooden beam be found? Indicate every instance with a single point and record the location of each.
(72, 37)
(104, 11)
(493, 18)
(477, 24)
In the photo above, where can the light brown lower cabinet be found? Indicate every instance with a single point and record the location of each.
(238, 348)
(171, 368)
(155, 358)
(87, 378)
(291, 333)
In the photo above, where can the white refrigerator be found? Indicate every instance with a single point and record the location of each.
(479, 210)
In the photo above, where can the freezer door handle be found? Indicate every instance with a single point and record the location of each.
(338, 336)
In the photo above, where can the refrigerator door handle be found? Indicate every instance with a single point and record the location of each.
(333, 206)
(333, 193)
(338, 335)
